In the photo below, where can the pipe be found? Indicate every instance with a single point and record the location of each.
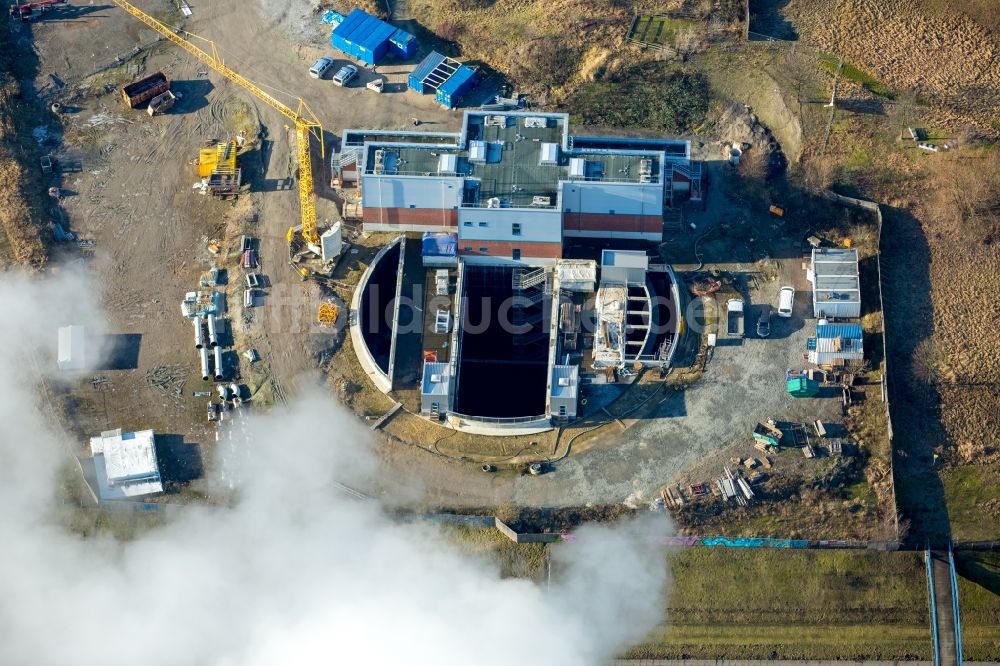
(199, 339)
(213, 334)
(203, 353)
(218, 364)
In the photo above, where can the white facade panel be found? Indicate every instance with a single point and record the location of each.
(411, 191)
(497, 224)
(622, 198)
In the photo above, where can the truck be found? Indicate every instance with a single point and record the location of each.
(29, 10)
(161, 103)
(734, 318)
(145, 89)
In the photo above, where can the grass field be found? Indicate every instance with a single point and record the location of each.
(979, 597)
(779, 604)
(852, 73)
(973, 497)
(658, 30)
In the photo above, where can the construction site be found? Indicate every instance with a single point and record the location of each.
(525, 310)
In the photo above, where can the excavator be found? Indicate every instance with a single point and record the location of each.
(304, 119)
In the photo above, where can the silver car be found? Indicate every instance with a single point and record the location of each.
(345, 75)
(321, 67)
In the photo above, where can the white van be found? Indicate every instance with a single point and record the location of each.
(786, 298)
(321, 67)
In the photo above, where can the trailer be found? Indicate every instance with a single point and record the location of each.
(30, 10)
(145, 89)
(734, 318)
(161, 103)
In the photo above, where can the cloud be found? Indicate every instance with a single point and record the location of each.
(292, 572)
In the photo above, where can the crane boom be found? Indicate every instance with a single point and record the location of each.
(304, 126)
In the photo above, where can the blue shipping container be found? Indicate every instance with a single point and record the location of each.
(420, 73)
(403, 45)
(451, 92)
(363, 36)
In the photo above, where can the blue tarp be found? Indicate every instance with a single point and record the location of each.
(439, 245)
(331, 17)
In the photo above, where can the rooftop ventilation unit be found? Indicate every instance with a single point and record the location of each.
(477, 151)
(564, 381)
(496, 121)
(448, 163)
(541, 201)
(435, 379)
(536, 122)
(577, 167)
(493, 202)
(549, 155)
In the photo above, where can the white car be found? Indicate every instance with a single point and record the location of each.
(321, 67)
(786, 298)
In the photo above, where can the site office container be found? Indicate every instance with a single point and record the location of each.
(418, 77)
(454, 89)
(368, 38)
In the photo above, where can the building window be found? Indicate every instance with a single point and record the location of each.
(484, 224)
(468, 223)
(515, 228)
(467, 248)
(413, 205)
(516, 254)
(611, 212)
(484, 250)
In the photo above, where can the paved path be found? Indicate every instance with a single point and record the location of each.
(943, 602)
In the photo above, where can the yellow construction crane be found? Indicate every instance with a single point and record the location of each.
(304, 124)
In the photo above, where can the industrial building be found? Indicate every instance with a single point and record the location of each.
(836, 292)
(72, 353)
(370, 39)
(513, 185)
(836, 345)
(448, 79)
(125, 464)
(476, 311)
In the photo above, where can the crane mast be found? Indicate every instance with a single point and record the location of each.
(304, 124)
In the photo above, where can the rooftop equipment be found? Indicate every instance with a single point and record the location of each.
(549, 154)
(577, 167)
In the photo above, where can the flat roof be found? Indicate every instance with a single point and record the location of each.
(835, 275)
(432, 371)
(126, 464)
(569, 387)
(500, 155)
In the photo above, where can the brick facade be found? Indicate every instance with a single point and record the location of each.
(435, 219)
(647, 224)
(505, 249)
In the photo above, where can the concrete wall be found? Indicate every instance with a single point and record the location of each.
(406, 191)
(537, 225)
(368, 364)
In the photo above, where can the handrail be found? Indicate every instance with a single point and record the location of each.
(955, 607)
(499, 419)
(931, 596)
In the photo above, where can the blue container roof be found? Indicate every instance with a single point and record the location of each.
(839, 331)
(426, 66)
(363, 29)
(439, 245)
(455, 82)
(401, 37)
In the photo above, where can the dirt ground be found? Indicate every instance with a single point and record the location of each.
(133, 197)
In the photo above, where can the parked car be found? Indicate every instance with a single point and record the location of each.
(764, 322)
(345, 75)
(734, 318)
(321, 67)
(786, 297)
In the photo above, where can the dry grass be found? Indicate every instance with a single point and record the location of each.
(19, 222)
(947, 58)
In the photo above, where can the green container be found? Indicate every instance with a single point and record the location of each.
(803, 387)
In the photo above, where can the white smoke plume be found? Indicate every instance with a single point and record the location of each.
(293, 572)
